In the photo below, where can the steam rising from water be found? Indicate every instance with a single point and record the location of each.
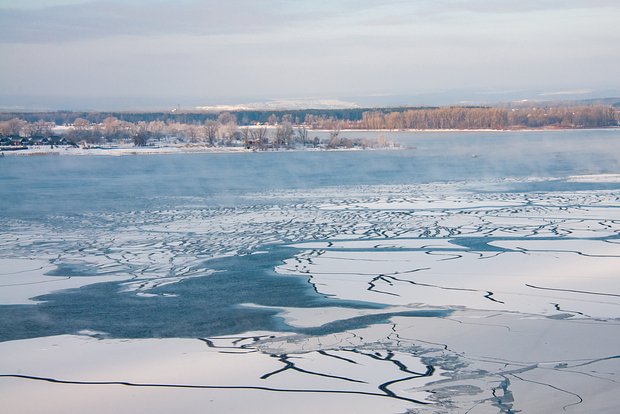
(69, 185)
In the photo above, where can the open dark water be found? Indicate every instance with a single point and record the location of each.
(41, 189)
(202, 307)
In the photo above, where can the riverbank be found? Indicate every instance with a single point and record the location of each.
(431, 130)
(121, 150)
(161, 150)
(383, 140)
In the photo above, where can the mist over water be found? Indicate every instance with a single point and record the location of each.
(43, 186)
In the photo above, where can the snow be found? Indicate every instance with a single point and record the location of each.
(527, 282)
(23, 279)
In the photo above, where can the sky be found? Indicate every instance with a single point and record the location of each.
(103, 54)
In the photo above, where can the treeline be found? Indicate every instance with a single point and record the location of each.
(221, 132)
(245, 117)
(69, 117)
(492, 118)
(457, 117)
(263, 130)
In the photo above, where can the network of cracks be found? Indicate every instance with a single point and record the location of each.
(428, 298)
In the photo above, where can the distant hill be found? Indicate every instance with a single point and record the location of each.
(526, 103)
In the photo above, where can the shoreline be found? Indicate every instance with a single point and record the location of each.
(167, 150)
(473, 130)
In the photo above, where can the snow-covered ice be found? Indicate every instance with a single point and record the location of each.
(524, 288)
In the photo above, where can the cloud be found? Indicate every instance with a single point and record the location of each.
(47, 21)
(428, 7)
(257, 49)
(37, 4)
(100, 19)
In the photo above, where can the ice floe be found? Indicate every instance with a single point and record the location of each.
(524, 288)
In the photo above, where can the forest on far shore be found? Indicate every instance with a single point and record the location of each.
(449, 117)
(286, 128)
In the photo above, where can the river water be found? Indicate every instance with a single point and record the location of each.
(338, 252)
(42, 186)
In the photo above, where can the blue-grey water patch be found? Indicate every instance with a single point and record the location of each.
(200, 307)
(62, 191)
(162, 219)
(76, 270)
(38, 187)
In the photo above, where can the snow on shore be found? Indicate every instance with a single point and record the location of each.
(123, 150)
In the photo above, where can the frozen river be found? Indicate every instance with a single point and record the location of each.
(472, 272)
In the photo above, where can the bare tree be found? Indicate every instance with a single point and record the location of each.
(111, 128)
(260, 138)
(226, 118)
(83, 131)
(211, 128)
(192, 134)
(41, 128)
(140, 134)
(272, 120)
(81, 123)
(247, 137)
(284, 133)
(228, 126)
(156, 129)
(302, 135)
(334, 140)
(12, 126)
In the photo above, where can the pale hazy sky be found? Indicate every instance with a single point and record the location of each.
(131, 53)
